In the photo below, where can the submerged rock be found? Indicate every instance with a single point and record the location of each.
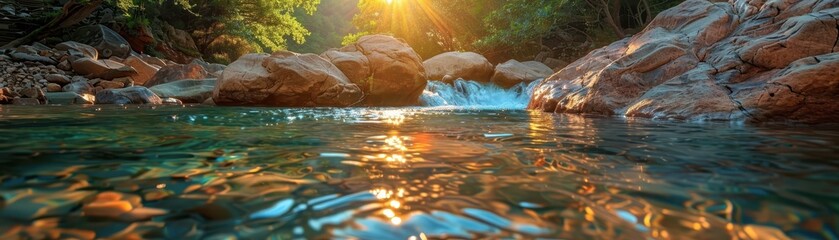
(396, 78)
(284, 79)
(188, 91)
(738, 60)
(513, 72)
(465, 65)
(129, 95)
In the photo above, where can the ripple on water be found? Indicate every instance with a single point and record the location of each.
(407, 173)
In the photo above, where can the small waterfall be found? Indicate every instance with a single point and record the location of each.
(473, 94)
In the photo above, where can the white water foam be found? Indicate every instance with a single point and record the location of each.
(471, 94)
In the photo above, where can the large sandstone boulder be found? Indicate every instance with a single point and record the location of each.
(396, 78)
(513, 72)
(104, 69)
(285, 79)
(78, 50)
(354, 65)
(145, 71)
(177, 72)
(737, 60)
(107, 42)
(465, 65)
(188, 91)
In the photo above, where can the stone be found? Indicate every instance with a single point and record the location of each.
(107, 42)
(554, 63)
(81, 87)
(171, 101)
(465, 65)
(78, 50)
(285, 79)
(59, 79)
(26, 101)
(145, 71)
(104, 69)
(34, 93)
(126, 81)
(513, 72)
(177, 72)
(757, 61)
(129, 95)
(354, 65)
(69, 98)
(397, 77)
(53, 87)
(210, 67)
(105, 84)
(27, 57)
(188, 91)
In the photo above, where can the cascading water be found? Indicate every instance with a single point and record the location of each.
(473, 94)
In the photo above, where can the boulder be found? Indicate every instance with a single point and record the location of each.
(397, 77)
(107, 42)
(33, 93)
(78, 50)
(129, 95)
(57, 79)
(105, 84)
(738, 60)
(353, 64)
(69, 98)
(53, 87)
(513, 72)
(145, 71)
(188, 91)
(104, 69)
(465, 65)
(285, 79)
(177, 72)
(80, 87)
(29, 57)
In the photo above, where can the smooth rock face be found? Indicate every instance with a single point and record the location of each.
(107, 42)
(354, 65)
(129, 95)
(78, 50)
(145, 71)
(737, 60)
(188, 91)
(177, 72)
(284, 79)
(513, 72)
(69, 98)
(465, 65)
(104, 69)
(397, 77)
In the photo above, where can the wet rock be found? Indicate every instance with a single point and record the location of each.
(171, 101)
(177, 72)
(69, 98)
(57, 79)
(129, 95)
(26, 101)
(27, 57)
(145, 71)
(736, 60)
(111, 205)
(6, 96)
(31, 206)
(513, 72)
(33, 93)
(107, 42)
(105, 84)
(188, 91)
(466, 65)
(104, 69)
(284, 79)
(53, 87)
(397, 77)
(78, 50)
(181, 229)
(210, 67)
(80, 87)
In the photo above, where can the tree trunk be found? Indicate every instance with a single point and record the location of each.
(612, 18)
(72, 13)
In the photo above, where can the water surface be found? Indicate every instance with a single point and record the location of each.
(410, 173)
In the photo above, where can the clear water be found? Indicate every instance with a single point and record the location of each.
(409, 173)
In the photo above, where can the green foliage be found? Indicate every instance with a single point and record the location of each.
(330, 23)
(264, 25)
